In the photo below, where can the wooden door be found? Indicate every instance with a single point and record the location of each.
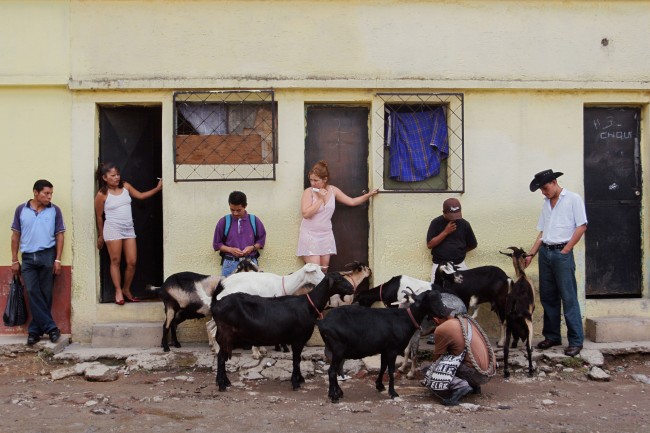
(613, 201)
(131, 137)
(339, 135)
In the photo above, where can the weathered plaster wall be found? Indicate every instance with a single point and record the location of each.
(549, 44)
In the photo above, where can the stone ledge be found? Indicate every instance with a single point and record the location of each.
(617, 329)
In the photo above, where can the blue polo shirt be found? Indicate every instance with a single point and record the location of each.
(37, 229)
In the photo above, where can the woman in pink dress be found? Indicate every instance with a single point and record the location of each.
(316, 242)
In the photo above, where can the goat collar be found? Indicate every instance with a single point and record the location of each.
(381, 298)
(354, 286)
(415, 323)
(320, 315)
(283, 289)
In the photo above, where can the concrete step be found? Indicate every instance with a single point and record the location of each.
(617, 329)
(127, 334)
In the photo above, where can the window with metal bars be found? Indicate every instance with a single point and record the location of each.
(225, 135)
(420, 143)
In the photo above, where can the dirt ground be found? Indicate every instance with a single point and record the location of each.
(188, 400)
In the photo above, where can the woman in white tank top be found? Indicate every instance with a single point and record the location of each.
(113, 201)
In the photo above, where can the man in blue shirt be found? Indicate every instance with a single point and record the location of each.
(238, 236)
(38, 230)
(561, 225)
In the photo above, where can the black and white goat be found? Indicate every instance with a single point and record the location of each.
(476, 286)
(520, 306)
(269, 321)
(354, 332)
(187, 295)
(393, 290)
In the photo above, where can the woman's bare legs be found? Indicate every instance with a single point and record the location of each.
(130, 256)
(115, 254)
(322, 261)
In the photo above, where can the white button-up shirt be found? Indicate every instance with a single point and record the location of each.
(559, 223)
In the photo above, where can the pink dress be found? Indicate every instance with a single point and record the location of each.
(316, 236)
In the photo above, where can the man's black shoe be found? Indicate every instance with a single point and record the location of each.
(545, 344)
(33, 339)
(456, 396)
(572, 350)
(55, 334)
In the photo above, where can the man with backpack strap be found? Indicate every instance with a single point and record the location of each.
(238, 235)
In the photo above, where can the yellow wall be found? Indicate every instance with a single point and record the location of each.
(547, 44)
(526, 69)
(35, 144)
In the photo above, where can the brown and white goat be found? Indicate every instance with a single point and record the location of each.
(520, 306)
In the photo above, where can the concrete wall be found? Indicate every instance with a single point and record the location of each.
(526, 69)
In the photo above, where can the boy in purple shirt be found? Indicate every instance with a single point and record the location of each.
(239, 235)
(37, 230)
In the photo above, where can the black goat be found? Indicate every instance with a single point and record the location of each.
(269, 321)
(520, 306)
(354, 332)
(476, 286)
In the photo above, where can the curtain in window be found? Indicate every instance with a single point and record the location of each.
(206, 119)
(417, 143)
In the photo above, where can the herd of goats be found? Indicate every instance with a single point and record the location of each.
(265, 309)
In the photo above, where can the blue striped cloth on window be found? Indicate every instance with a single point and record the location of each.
(417, 143)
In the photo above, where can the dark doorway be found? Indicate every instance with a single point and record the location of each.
(131, 137)
(339, 135)
(613, 202)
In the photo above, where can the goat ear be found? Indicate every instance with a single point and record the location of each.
(506, 254)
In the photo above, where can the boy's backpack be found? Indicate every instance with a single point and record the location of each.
(226, 229)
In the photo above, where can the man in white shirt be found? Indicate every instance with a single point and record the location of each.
(561, 225)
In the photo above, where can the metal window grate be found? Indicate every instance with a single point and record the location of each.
(452, 173)
(225, 135)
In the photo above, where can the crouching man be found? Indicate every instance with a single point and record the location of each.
(454, 335)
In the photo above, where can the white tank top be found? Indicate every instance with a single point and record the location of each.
(117, 208)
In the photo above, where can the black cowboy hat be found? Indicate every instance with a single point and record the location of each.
(542, 178)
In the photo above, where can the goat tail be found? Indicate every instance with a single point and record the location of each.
(217, 290)
(152, 288)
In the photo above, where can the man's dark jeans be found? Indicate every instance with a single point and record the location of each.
(37, 273)
(558, 292)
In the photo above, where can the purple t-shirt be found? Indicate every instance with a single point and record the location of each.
(37, 230)
(240, 235)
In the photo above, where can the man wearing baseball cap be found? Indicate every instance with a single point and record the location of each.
(450, 237)
(561, 225)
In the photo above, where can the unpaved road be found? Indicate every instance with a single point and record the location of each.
(188, 401)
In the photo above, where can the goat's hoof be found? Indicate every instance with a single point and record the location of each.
(177, 344)
(380, 387)
(506, 375)
(165, 348)
(393, 394)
